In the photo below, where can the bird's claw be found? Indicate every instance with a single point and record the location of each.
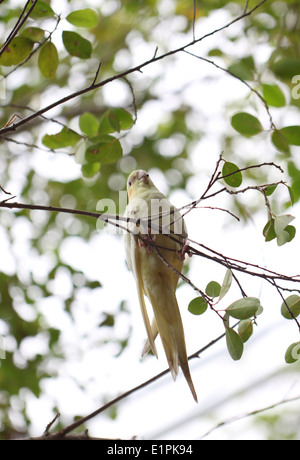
(147, 241)
(184, 250)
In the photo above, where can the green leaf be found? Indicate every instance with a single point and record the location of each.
(48, 60)
(35, 34)
(245, 329)
(292, 134)
(90, 169)
(108, 321)
(41, 10)
(226, 284)
(280, 141)
(17, 51)
(234, 176)
(115, 120)
(283, 238)
(244, 69)
(76, 45)
(246, 124)
(215, 52)
(197, 306)
(243, 308)
(240, 71)
(291, 305)
(281, 222)
(66, 137)
(107, 149)
(83, 18)
(286, 68)
(273, 95)
(89, 124)
(286, 235)
(234, 344)
(294, 173)
(269, 231)
(213, 289)
(291, 193)
(292, 353)
(270, 189)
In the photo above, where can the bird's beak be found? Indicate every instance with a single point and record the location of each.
(143, 176)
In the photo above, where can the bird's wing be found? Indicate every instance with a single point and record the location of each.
(137, 274)
(133, 262)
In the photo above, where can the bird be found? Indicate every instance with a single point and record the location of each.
(156, 260)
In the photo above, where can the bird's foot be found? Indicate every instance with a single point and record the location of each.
(184, 250)
(147, 241)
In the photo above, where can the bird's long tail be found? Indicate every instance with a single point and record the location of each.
(169, 325)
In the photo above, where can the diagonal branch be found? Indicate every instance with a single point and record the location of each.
(64, 431)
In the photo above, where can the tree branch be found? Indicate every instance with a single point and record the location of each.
(62, 434)
(125, 73)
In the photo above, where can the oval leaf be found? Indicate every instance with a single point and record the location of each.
(291, 305)
(286, 68)
(291, 193)
(76, 45)
(245, 329)
(269, 231)
(234, 344)
(226, 284)
(291, 134)
(280, 141)
(65, 138)
(233, 175)
(244, 70)
(292, 354)
(273, 95)
(115, 120)
(90, 169)
(213, 289)
(270, 189)
(17, 51)
(107, 149)
(281, 222)
(41, 10)
(246, 124)
(89, 124)
(83, 18)
(243, 308)
(48, 60)
(33, 33)
(197, 306)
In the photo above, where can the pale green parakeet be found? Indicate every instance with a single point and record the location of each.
(151, 216)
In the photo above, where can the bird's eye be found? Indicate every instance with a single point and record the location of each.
(129, 183)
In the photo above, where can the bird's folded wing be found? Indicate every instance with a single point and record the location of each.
(137, 274)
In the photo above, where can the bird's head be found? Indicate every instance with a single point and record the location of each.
(138, 181)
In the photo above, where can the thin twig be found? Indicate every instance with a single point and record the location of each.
(249, 414)
(253, 90)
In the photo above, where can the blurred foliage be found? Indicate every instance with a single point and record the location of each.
(57, 52)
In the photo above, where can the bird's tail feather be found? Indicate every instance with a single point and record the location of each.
(169, 325)
(147, 346)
